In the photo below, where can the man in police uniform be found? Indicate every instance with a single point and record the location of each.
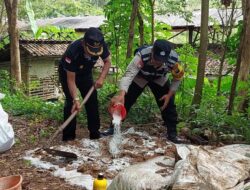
(149, 68)
(75, 72)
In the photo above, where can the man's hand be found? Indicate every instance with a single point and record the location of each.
(99, 83)
(166, 99)
(117, 99)
(76, 106)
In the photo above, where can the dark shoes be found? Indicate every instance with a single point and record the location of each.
(95, 135)
(68, 138)
(176, 140)
(108, 132)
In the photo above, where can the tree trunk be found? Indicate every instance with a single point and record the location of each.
(132, 28)
(141, 27)
(2, 17)
(202, 53)
(241, 49)
(235, 77)
(11, 9)
(229, 26)
(245, 62)
(243, 2)
(152, 4)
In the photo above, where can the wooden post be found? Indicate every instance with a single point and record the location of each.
(190, 34)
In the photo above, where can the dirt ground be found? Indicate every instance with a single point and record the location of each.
(31, 134)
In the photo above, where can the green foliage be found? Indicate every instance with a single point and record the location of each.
(212, 115)
(175, 7)
(56, 33)
(27, 163)
(116, 28)
(233, 44)
(4, 81)
(189, 61)
(51, 9)
(31, 16)
(19, 104)
(44, 133)
(188, 58)
(3, 42)
(32, 139)
(162, 31)
(17, 142)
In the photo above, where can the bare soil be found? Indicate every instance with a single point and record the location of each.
(34, 133)
(30, 134)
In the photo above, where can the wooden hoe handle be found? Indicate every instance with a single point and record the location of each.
(70, 117)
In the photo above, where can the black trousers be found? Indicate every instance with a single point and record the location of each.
(169, 114)
(83, 83)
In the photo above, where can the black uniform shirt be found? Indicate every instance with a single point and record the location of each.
(75, 60)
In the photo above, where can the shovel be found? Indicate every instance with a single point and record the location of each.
(59, 152)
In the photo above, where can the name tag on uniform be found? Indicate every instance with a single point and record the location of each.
(81, 67)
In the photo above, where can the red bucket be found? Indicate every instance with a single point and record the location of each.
(118, 109)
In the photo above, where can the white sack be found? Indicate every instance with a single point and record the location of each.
(218, 169)
(201, 168)
(6, 130)
(153, 174)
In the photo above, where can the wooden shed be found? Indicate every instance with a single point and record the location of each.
(39, 61)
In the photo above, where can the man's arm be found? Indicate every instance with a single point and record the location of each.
(177, 73)
(132, 70)
(73, 91)
(105, 70)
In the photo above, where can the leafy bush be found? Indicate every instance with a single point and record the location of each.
(18, 103)
(212, 115)
(233, 44)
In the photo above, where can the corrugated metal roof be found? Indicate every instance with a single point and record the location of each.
(44, 47)
(70, 22)
(85, 22)
(216, 14)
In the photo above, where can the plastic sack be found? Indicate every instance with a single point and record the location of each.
(154, 174)
(6, 130)
(201, 168)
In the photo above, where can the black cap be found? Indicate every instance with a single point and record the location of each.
(100, 176)
(161, 50)
(94, 41)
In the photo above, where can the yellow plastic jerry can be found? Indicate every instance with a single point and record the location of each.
(100, 183)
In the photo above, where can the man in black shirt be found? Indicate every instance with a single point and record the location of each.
(75, 72)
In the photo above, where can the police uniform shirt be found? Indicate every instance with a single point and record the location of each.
(136, 74)
(75, 59)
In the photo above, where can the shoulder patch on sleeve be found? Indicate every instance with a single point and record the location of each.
(177, 72)
(68, 60)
